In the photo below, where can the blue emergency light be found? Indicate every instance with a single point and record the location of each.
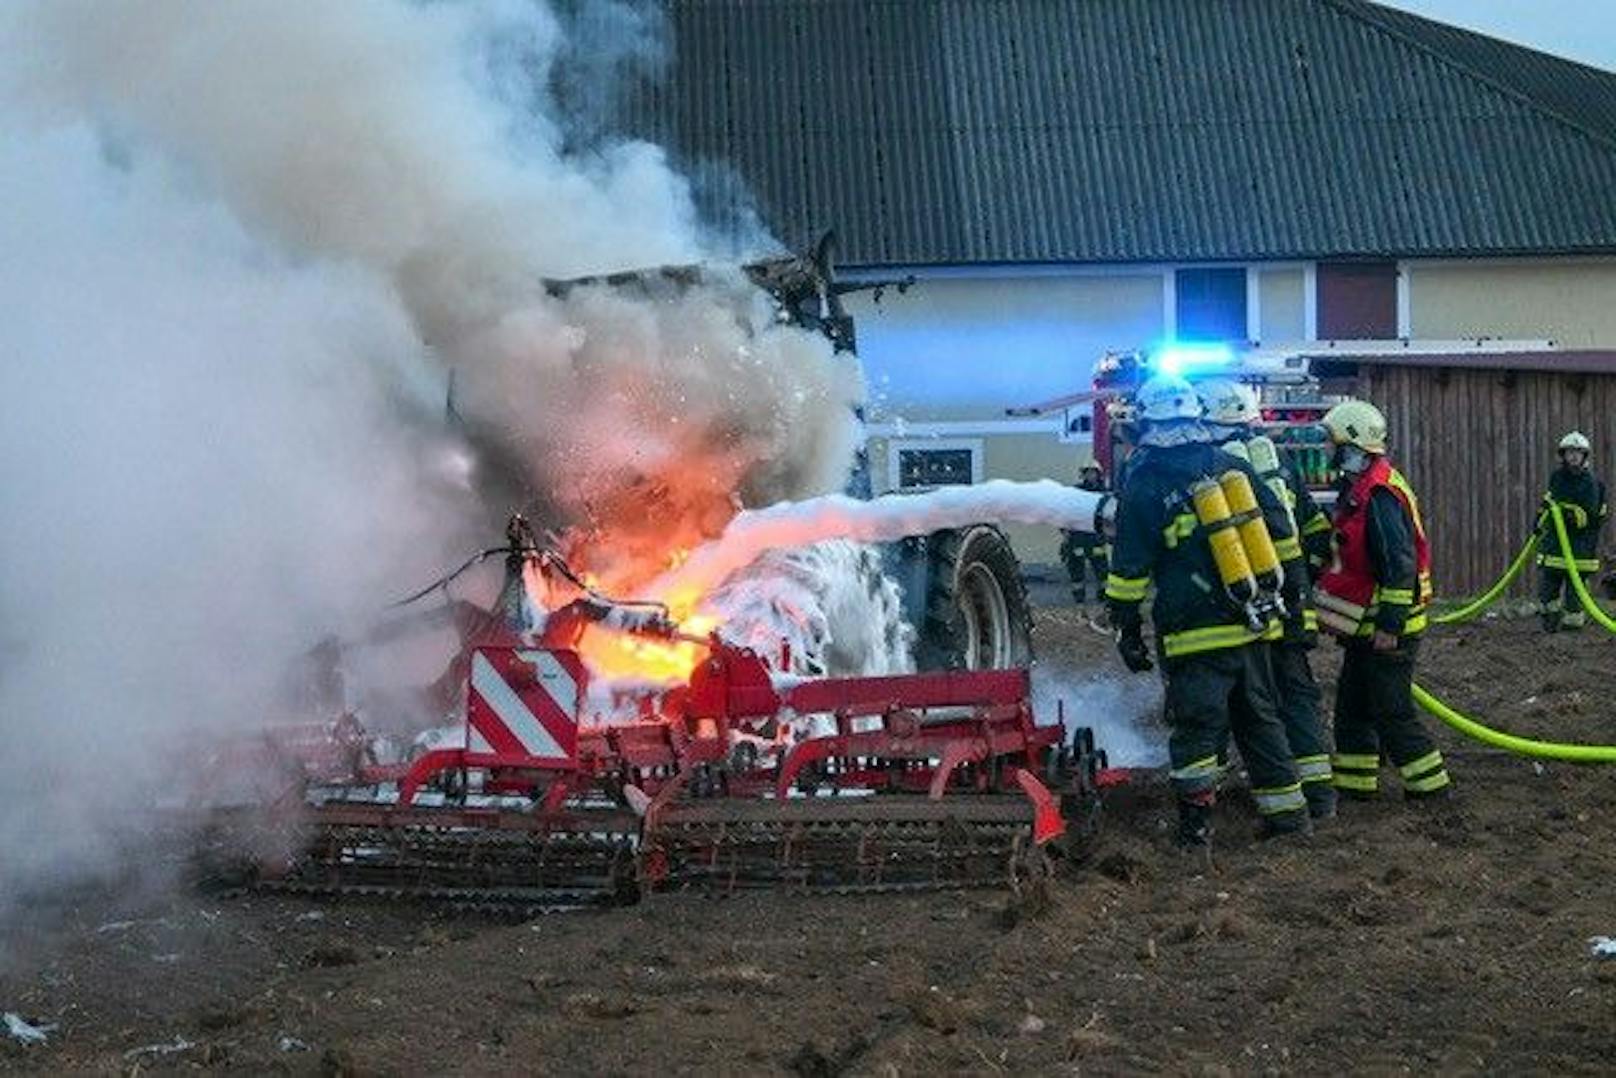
(1187, 358)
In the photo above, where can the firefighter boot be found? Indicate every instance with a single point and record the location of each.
(1320, 801)
(1194, 824)
(1574, 620)
(1283, 824)
(1550, 613)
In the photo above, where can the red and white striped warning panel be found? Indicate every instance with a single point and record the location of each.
(523, 703)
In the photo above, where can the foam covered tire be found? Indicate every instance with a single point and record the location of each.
(977, 614)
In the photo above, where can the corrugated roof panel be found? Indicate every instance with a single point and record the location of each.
(932, 131)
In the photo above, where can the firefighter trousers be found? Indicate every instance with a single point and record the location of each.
(1300, 704)
(1084, 556)
(1213, 694)
(1557, 600)
(1374, 717)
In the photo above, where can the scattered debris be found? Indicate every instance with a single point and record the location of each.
(115, 926)
(312, 915)
(1598, 947)
(291, 1044)
(1031, 1025)
(24, 1032)
(178, 1044)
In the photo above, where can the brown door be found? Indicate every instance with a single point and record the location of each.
(1357, 301)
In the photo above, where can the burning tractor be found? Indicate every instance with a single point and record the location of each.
(548, 773)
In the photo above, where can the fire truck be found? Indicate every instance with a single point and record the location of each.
(1293, 402)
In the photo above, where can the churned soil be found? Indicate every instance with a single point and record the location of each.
(1451, 940)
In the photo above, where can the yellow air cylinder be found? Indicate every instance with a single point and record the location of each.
(1254, 537)
(1212, 510)
(1264, 457)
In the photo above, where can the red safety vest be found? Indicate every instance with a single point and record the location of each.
(1347, 596)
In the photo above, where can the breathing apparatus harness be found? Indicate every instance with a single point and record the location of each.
(1248, 566)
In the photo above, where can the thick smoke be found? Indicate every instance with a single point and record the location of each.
(1125, 712)
(246, 246)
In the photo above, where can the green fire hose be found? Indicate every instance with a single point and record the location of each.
(1525, 746)
(1490, 596)
(1589, 604)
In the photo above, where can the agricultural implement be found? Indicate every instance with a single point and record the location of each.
(549, 792)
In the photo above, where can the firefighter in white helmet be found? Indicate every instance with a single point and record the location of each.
(1581, 498)
(1217, 668)
(1234, 415)
(1373, 596)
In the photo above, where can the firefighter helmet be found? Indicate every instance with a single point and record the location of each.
(1229, 403)
(1576, 440)
(1357, 423)
(1165, 397)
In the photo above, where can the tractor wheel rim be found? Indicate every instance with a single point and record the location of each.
(986, 617)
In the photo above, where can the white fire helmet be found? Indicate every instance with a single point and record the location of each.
(1576, 440)
(1166, 397)
(1229, 403)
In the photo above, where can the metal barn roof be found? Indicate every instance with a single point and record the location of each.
(1048, 131)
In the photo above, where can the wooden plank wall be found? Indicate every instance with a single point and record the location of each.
(1478, 447)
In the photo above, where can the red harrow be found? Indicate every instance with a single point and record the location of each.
(741, 778)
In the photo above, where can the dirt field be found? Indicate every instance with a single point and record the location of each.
(1398, 939)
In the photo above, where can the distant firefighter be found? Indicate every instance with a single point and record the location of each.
(1581, 498)
(1086, 554)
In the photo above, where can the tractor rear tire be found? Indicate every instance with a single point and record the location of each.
(977, 613)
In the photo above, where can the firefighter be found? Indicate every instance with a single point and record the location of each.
(1216, 668)
(1233, 414)
(1581, 498)
(1373, 597)
(1085, 554)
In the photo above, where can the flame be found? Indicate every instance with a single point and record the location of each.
(617, 656)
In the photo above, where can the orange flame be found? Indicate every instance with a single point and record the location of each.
(618, 656)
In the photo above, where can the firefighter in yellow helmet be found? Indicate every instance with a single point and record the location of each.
(1373, 597)
(1209, 617)
(1581, 498)
(1234, 415)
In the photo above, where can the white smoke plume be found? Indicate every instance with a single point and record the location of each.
(245, 245)
(1124, 712)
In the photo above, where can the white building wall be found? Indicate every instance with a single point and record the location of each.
(970, 348)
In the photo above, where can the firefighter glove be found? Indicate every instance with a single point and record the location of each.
(1131, 646)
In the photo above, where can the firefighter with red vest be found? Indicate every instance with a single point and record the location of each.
(1373, 596)
(1177, 531)
(1581, 498)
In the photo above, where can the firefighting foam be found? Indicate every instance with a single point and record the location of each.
(795, 524)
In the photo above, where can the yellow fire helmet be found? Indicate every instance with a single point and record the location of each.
(1357, 423)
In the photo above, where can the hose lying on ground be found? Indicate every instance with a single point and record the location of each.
(1490, 596)
(1524, 746)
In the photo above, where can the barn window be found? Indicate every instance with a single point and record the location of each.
(934, 463)
(1210, 304)
(1357, 301)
